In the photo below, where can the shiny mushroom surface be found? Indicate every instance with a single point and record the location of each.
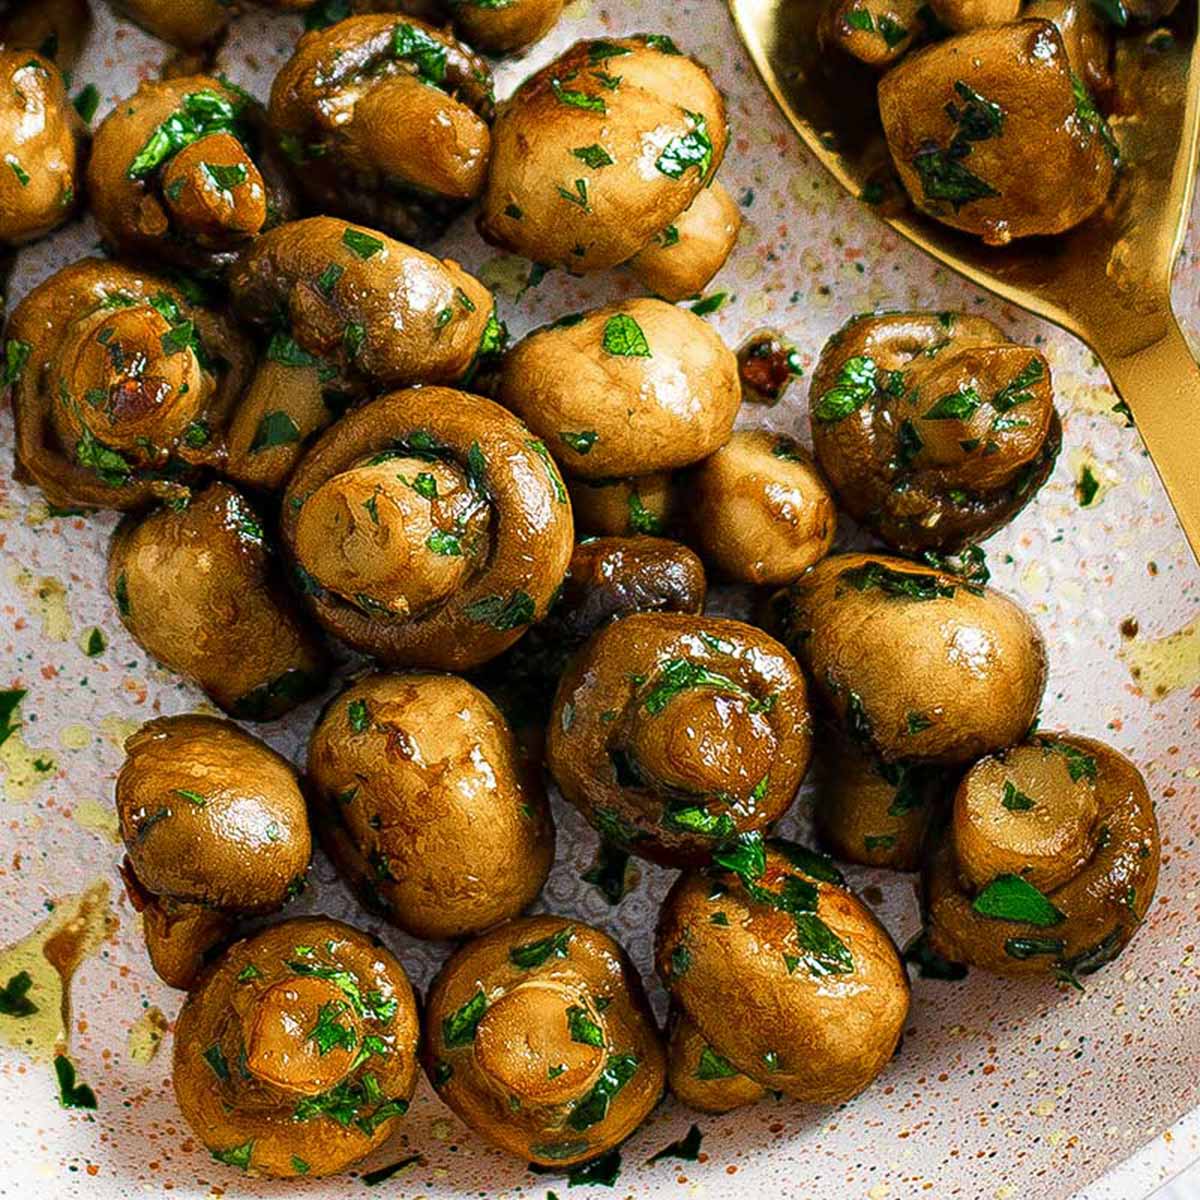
(194, 25)
(56, 29)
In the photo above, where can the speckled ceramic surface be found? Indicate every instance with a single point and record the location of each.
(1000, 1090)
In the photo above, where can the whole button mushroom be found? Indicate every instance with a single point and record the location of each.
(428, 528)
(297, 1053)
(503, 28)
(387, 121)
(933, 428)
(674, 733)
(1049, 863)
(632, 388)
(198, 589)
(617, 507)
(41, 147)
(700, 1077)
(427, 808)
(539, 1036)
(961, 16)
(602, 151)
(189, 24)
(758, 511)
(56, 29)
(992, 133)
(876, 33)
(858, 623)
(184, 171)
(784, 979)
(122, 387)
(215, 826)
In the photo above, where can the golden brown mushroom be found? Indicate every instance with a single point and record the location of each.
(215, 826)
(877, 32)
(41, 145)
(673, 733)
(428, 528)
(784, 977)
(600, 151)
(617, 507)
(914, 663)
(758, 511)
(184, 171)
(189, 24)
(197, 588)
(56, 29)
(700, 1077)
(503, 28)
(297, 1053)
(632, 388)
(990, 133)
(934, 429)
(539, 1036)
(961, 16)
(122, 386)
(428, 810)
(1085, 36)
(1050, 862)
(387, 121)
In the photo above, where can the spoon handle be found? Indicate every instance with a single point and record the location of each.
(1160, 382)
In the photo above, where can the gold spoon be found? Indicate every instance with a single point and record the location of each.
(1108, 281)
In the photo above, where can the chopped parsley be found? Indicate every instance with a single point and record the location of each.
(362, 244)
(1011, 898)
(519, 609)
(427, 54)
(275, 429)
(458, 1029)
(534, 954)
(855, 386)
(576, 99)
(594, 156)
(581, 442)
(582, 1028)
(1014, 799)
(624, 338)
(691, 149)
(199, 114)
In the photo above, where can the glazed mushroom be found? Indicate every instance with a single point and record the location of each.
(123, 387)
(56, 29)
(859, 622)
(386, 119)
(700, 1077)
(600, 151)
(297, 1053)
(991, 134)
(215, 826)
(193, 25)
(783, 977)
(632, 388)
(43, 145)
(674, 733)
(427, 808)
(871, 812)
(539, 1036)
(617, 507)
(183, 171)
(961, 16)
(366, 305)
(934, 429)
(197, 588)
(504, 28)
(875, 33)
(1050, 862)
(758, 510)
(1086, 37)
(428, 528)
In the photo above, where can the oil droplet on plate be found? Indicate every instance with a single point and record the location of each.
(1160, 666)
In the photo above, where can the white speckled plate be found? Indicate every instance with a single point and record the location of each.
(1000, 1090)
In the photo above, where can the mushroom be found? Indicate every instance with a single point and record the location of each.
(876, 32)
(184, 171)
(934, 429)
(194, 25)
(783, 979)
(214, 825)
(197, 588)
(428, 810)
(386, 119)
(503, 28)
(56, 29)
(539, 1036)
(758, 511)
(674, 733)
(1049, 863)
(1086, 37)
(859, 622)
(604, 149)
(297, 1053)
(632, 388)
(991, 133)
(122, 386)
(43, 146)
(961, 16)
(619, 507)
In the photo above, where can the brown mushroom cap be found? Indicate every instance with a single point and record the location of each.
(387, 118)
(933, 429)
(508, 27)
(54, 28)
(799, 987)
(198, 590)
(961, 16)
(876, 32)
(188, 24)
(584, 171)
(700, 1077)
(366, 304)
(125, 389)
(1050, 863)
(539, 1036)
(758, 510)
(914, 663)
(634, 387)
(619, 507)
(1034, 159)
(440, 528)
(1086, 37)
(672, 733)
(42, 139)
(296, 1055)
(428, 809)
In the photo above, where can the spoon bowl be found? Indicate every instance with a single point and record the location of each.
(1108, 281)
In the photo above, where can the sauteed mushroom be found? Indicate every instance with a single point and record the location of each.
(188, 24)
(56, 29)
